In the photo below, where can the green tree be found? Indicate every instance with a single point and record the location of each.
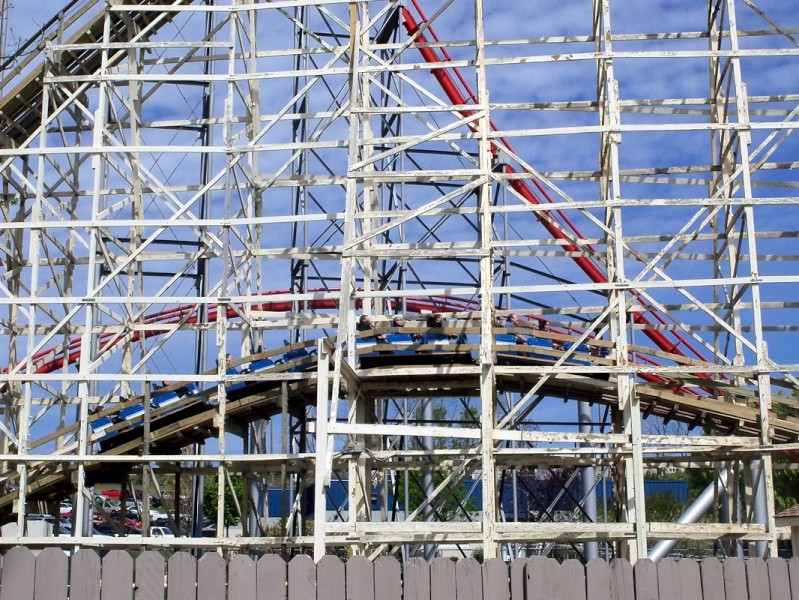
(786, 481)
(664, 508)
(458, 503)
(210, 504)
(786, 488)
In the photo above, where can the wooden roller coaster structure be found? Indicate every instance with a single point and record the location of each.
(184, 180)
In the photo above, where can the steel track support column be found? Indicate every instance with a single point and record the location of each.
(427, 475)
(322, 450)
(247, 514)
(588, 481)
(285, 449)
(758, 502)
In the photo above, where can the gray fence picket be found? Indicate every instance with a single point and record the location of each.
(51, 581)
(778, 582)
(793, 575)
(302, 578)
(543, 579)
(212, 576)
(711, 573)
(597, 580)
(52, 575)
(645, 578)
(181, 581)
(518, 578)
(496, 580)
(360, 579)
(333, 577)
(468, 579)
(416, 580)
(621, 580)
(690, 580)
(757, 578)
(84, 575)
(19, 571)
(572, 579)
(117, 576)
(388, 578)
(668, 579)
(271, 576)
(442, 579)
(150, 567)
(735, 579)
(241, 578)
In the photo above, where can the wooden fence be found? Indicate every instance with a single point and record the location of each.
(52, 575)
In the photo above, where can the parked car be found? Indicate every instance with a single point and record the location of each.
(161, 531)
(107, 530)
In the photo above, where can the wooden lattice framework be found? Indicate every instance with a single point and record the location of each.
(186, 179)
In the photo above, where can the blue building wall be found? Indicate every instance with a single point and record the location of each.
(532, 495)
(676, 488)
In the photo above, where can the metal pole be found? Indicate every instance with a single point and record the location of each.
(3, 27)
(692, 514)
(588, 481)
(427, 477)
(515, 487)
(255, 488)
(759, 506)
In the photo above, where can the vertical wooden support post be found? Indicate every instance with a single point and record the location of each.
(621, 323)
(488, 395)
(87, 341)
(766, 502)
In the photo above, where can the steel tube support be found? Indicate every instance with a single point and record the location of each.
(427, 477)
(759, 504)
(588, 481)
(694, 512)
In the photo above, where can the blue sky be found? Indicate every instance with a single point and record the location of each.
(24, 22)
(638, 78)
